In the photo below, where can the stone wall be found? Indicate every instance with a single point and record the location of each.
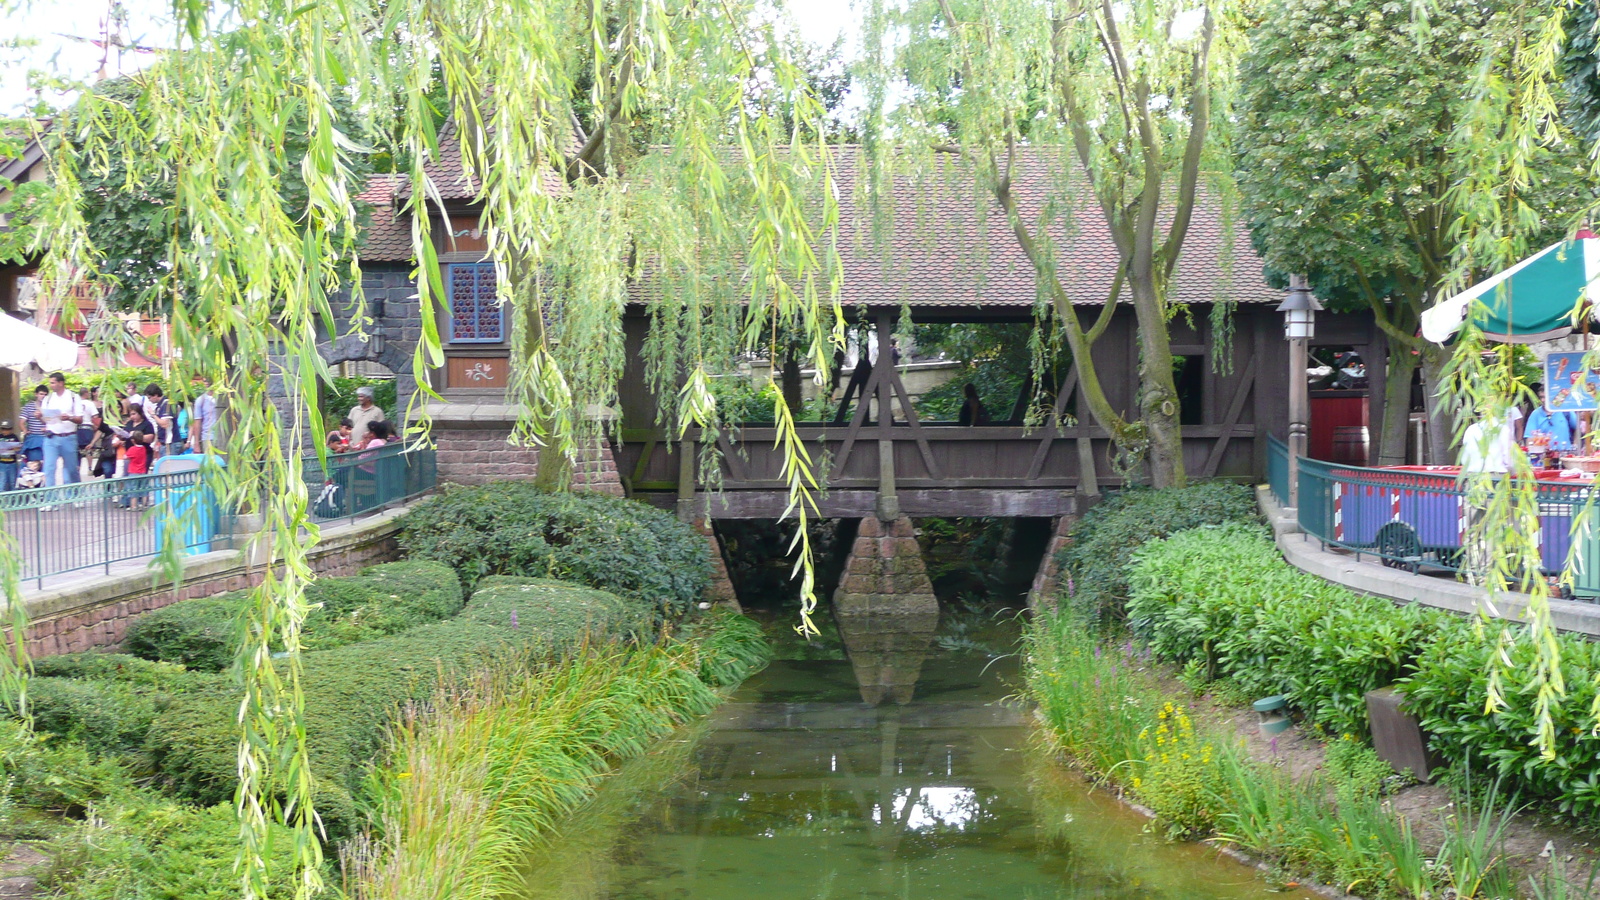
(95, 612)
(474, 447)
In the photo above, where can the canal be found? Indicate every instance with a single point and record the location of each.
(796, 790)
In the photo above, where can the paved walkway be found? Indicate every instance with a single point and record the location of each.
(75, 540)
(1367, 575)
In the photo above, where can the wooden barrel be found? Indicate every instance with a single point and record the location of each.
(1350, 445)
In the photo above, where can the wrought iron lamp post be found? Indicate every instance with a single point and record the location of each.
(1299, 310)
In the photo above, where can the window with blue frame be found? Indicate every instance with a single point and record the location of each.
(476, 316)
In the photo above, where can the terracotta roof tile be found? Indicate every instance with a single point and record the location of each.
(944, 251)
(387, 237)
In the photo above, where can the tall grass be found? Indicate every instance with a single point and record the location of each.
(1103, 708)
(490, 769)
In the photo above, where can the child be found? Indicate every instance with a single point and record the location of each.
(32, 476)
(138, 464)
(10, 455)
(339, 438)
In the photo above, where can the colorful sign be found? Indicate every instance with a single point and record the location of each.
(1568, 386)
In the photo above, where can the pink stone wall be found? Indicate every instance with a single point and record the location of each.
(484, 454)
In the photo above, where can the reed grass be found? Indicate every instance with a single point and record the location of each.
(1106, 710)
(488, 770)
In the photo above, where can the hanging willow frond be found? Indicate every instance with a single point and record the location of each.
(610, 143)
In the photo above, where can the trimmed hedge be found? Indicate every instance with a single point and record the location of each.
(105, 700)
(514, 528)
(204, 634)
(352, 693)
(1224, 599)
(1094, 566)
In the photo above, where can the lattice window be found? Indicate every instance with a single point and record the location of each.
(475, 315)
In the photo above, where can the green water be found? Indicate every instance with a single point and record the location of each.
(796, 791)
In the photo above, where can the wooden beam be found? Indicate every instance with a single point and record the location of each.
(915, 502)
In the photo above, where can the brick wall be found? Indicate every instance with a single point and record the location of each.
(95, 613)
(483, 453)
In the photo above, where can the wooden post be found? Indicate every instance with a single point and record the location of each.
(888, 506)
(686, 480)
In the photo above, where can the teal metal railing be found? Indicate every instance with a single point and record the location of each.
(1419, 517)
(75, 528)
(1278, 469)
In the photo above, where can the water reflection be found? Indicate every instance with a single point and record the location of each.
(795, 791)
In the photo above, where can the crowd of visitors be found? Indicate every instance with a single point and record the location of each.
(66, 437)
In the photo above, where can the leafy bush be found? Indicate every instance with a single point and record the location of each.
(1094, 566)
(1447, 694)
(118, 667)
(204, 634)
(352, 692)
(616, 545)
(1223, 599)
(148, 847)
(1223, 596)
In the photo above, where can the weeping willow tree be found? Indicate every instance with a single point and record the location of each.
(1122, 103)
(1513, 118)
(665, 142)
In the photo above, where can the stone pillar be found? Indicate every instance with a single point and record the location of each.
(1048, 579)
(720, 591)
(886, 610)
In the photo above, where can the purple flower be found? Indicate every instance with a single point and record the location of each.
(1072, 588)
(513, 618)
(1274, 745)
(1096, 651)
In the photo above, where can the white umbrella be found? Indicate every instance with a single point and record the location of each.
(22, 344)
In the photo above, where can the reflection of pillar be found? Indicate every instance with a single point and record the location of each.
(720, 591)
(886, 610)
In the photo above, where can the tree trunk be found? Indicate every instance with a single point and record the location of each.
(1441, 425)
(1395, 425)
(1158, 392)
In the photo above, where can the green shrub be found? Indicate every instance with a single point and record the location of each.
(204, 634)
(1447, 694)
(1094, 565)
(150, 848)
(1224, 601)
(107, 717)
(41, 771)
(119, 667)
(616, 545)
(352, 692)
(1223, 597)
(105, 700)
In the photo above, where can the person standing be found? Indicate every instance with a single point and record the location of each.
(33, 426)
(62, 412)
(158, 413)
(10, 455)
(363, 415)
(202, 422)
(1560, 428)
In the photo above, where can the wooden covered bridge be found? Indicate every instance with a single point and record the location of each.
(881, 463)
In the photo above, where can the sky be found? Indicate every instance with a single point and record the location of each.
(60, 32)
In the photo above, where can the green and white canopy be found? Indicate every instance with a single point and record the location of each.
(1530, 302)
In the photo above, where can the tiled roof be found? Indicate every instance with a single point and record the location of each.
(445, 170)
(388, 235)
(942, 252)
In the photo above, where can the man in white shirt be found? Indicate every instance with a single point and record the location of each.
(1490, 445)
(203, 423)
(62, 412)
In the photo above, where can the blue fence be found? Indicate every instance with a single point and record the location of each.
(76, 528)
(1278, 469)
